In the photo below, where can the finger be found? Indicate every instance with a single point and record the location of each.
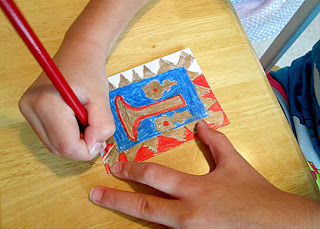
(142, 206)
(101, 124)
(36, 125)
(61, 127)
(160, 177)
(221, 148)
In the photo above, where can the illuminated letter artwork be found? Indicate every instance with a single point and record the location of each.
(156, 107)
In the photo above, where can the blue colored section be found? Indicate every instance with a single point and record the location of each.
(134, 95)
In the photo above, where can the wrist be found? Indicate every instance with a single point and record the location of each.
(298, 211)
(100, 23)
(84, 46)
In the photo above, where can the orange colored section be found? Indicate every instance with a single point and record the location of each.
(201, 81)
(144, 153)
(166, 143)
(190, 135)
(122, 157)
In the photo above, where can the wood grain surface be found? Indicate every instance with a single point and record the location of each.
(39, 190)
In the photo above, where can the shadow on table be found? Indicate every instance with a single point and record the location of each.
(207, 154)
(62, 167)
(59, 165)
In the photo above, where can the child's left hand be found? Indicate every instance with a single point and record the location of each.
(234, 195)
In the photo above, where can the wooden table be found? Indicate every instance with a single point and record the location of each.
(41, 190)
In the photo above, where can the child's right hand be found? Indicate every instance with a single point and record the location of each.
(81, 60)
(83, 66)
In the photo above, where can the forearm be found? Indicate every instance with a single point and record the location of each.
(300, 212)
(81, 58)
(99, 25)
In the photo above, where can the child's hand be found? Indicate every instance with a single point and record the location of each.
(81, 60)
(83, 66)
(234, 195)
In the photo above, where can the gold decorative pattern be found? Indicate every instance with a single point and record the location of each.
(111, 87)
(179, 134)
(147, 72)
(113, 156)
(164, 123)
(135, 76)
(185, 60)
(123, 81)
(215, 117)
(165, 66)
(152, 144)
(131, 153)
(155, 90)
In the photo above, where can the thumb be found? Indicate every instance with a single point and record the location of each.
(220, 147)
(100, 124)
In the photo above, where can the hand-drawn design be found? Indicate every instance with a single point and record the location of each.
(147, 72)
(135, 113)
(135, 76)
(164, 123)
(154, 90)
(123, 81)
(165, 66)
(179, 134)
(180, 117)
(131, 117)
(156, 107)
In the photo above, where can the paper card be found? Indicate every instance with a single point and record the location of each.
(156, 107)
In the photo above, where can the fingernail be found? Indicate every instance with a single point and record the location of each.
(96, 149)
(95, 194)
(203, 124)
(116, 168)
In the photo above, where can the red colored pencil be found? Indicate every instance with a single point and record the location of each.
(43, 58)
